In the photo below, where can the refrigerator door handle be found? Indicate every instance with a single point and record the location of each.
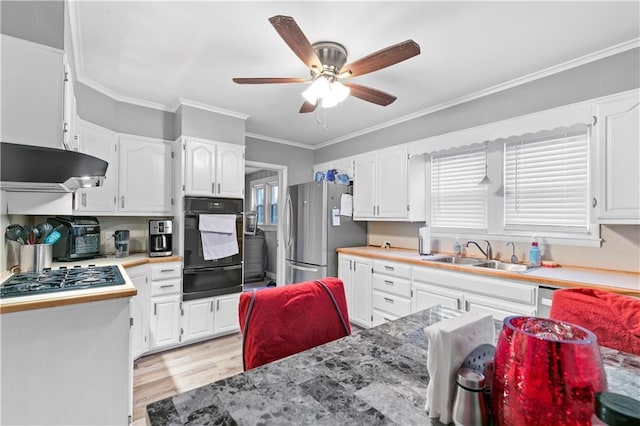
(288, 222)
(303, 268)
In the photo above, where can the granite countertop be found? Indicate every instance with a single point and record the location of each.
(374, 376)
(562, 277)
(47, 300)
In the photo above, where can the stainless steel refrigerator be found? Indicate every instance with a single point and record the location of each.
(314, 229)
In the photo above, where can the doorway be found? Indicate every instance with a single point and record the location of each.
(263, 177)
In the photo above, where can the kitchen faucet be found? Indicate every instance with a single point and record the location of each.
(488, 253)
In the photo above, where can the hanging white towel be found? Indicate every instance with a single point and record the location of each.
(218, 235)
(450, 341)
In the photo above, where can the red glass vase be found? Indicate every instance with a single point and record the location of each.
(547, 373)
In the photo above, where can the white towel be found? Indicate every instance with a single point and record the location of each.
(450, 341)
(218, 235)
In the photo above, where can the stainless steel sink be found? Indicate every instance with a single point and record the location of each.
(455, 260)
(511, 267)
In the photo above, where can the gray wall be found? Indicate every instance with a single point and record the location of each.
(210, 125)
(123, 117)
(613, 74)
(299, 161)
(38, 21)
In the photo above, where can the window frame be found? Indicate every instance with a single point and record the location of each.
(267, 184)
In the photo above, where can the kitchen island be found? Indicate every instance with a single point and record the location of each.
(374, 376)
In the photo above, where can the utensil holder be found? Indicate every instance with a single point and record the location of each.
(35, 257)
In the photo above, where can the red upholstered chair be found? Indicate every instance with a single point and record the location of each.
(613, 318)
(281, 321)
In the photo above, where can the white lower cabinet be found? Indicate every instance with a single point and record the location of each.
(225, 318)
(140, 310)
(210, 317)
(161, 319)
(499, 309)
(165, 321)
(355, 272)
(473, 293)
(166, 300)
(197, 321)
(426, 295)
(379, 291)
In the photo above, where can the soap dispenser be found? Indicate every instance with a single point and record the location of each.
(535, 258)
(457, 248)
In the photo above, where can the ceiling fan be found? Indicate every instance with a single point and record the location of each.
(326, 62)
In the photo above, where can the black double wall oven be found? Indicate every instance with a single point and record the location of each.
(206, 278)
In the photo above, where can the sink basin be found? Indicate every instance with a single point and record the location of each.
(455, 260)
(511, 267)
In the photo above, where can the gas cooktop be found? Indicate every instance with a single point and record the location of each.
(63, 279)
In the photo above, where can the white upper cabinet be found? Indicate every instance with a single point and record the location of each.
(103, 144)
(618, 141)
(139, 176)
(213, 169)
(200, 169)
(32, 93)
(145, 176)
(230, 176)
(389, 185)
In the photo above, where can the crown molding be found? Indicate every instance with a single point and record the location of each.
(278, 140)
(573, 63)
(199, 105)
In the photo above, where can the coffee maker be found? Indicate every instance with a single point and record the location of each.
(160, 238)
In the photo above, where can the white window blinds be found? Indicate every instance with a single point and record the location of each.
(546, 182)
(457, 200)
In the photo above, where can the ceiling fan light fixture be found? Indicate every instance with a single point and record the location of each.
(330, 92)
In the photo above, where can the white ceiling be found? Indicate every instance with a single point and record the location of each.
(157, 52)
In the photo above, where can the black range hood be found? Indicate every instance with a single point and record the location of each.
(27, 168)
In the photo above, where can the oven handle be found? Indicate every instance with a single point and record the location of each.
(222, 268)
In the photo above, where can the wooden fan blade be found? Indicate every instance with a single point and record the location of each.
(383, 58)
(269, 80)
(370, 95)
(308, 107)
(294, 37)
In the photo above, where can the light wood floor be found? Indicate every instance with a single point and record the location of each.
(169, 373)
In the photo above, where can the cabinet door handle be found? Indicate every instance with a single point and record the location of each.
(166, 270)
(374, 211)
(466, 305)
(166, 286)
(122, 201)
(387, 282)
(155, 305)
(458, 303)
(386, 299)
(378, 214)
(389, 268)
(218, 189)
(211, 306)
(84, 199)
(218, 305)
(387, 319)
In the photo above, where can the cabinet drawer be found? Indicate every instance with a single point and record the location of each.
(380, 317)
(165, 287)
(392, 304)
(162, 271)
(392, 268)
(393, 285)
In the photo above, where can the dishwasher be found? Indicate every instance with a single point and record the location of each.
(545, 295)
